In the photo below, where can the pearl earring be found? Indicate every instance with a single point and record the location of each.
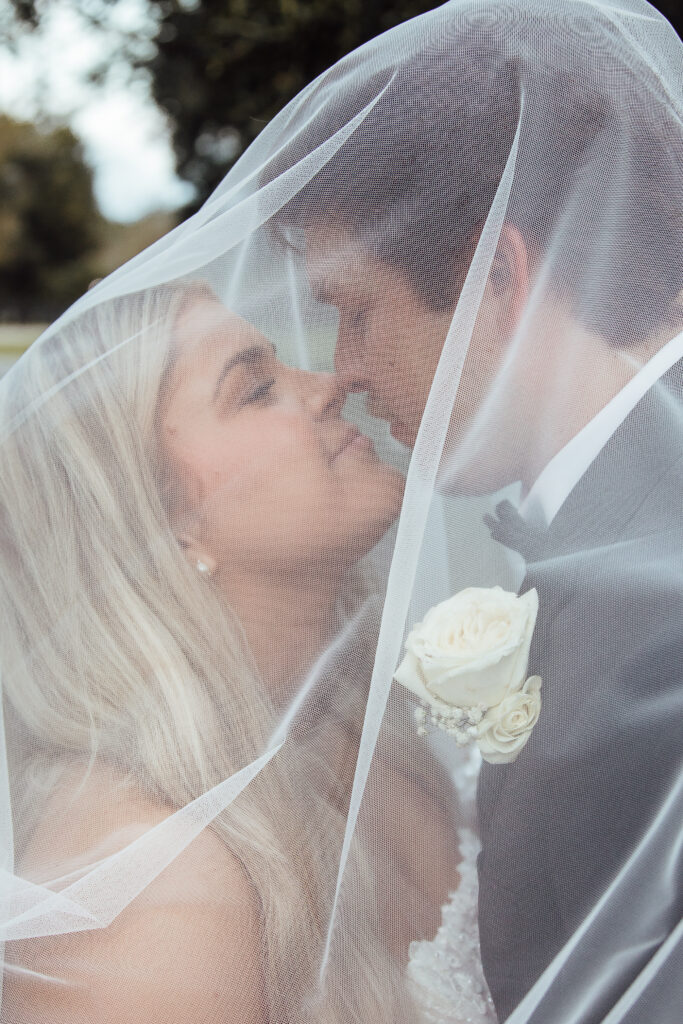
(202, 566)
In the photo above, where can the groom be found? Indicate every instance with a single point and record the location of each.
(588, 812)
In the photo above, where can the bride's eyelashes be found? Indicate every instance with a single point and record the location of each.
(260, 394)
(241, 370)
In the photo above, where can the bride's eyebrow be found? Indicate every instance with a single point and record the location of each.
(245, 357)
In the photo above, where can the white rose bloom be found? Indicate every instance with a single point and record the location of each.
(506, 728)
(470, 650)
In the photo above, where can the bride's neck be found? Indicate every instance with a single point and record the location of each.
(287, 621)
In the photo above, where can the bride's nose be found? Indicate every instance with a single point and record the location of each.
(323, 394)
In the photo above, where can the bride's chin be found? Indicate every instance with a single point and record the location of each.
(374, 509)
(374, 529)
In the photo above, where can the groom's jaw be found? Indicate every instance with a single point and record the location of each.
(402, 433)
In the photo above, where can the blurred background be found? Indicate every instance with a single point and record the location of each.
(118, 118)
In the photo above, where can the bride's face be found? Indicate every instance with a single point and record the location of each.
(271, 471)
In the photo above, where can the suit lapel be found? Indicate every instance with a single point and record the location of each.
(647, 445)
(640, 453)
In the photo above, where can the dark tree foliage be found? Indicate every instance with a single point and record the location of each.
(25, 11)
(224, 68)
(49, 223)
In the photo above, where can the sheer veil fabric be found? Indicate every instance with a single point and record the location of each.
(215, 803)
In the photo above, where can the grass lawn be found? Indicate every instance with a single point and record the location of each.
(14, 338)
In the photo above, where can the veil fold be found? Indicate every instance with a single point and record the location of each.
(424, 340)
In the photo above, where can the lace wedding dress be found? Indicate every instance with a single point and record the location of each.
(446, 971)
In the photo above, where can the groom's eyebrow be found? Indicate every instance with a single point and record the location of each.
(245, 357)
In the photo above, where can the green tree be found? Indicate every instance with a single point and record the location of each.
(223, 68)
(49, 222)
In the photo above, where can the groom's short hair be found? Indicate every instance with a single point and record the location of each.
(415, 180)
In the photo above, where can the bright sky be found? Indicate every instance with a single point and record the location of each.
(125, 137)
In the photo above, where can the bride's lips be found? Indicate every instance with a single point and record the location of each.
(351, 441)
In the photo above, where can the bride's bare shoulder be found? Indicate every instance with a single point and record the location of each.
(86, 813)
(89, 813)
(93, 811)
(188, 947)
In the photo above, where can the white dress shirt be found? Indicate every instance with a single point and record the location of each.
(559, 477)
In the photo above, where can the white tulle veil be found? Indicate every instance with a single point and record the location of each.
(195, 740)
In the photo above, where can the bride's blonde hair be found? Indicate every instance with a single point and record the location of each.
(114, 648)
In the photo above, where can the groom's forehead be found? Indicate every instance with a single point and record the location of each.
(339, 268)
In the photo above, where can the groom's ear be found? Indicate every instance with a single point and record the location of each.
(509, 279)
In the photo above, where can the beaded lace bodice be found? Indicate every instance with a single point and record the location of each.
(446, 972)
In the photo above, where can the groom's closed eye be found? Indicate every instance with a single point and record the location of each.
(321, 295)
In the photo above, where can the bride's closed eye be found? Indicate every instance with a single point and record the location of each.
(261, 394)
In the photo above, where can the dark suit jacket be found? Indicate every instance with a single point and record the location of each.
(560, 822)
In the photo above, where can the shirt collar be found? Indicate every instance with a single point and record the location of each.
(559, 477)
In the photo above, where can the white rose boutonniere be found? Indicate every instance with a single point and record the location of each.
(467, 662)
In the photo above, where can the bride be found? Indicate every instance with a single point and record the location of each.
(180, 519)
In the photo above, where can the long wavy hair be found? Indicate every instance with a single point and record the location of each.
(113, 648)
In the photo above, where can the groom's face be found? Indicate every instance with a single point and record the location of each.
(389, 340)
